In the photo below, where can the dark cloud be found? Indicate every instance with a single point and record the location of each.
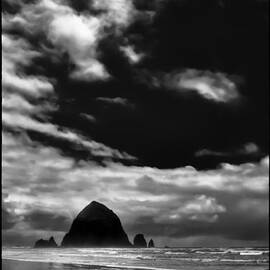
(83, 5)
(163, 129)
(41, 220)
(15, 238)
(7, 220)
(233, 225)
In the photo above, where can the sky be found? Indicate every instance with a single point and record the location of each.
(157, 109)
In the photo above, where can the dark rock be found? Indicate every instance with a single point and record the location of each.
(139, 241)
(151, 244)
(96, 226)
(41, 243)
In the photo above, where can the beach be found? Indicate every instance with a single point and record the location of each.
(25, 265)
(144, 259)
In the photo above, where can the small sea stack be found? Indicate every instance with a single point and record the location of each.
(41, 243)
(151, 244)
(139, 241)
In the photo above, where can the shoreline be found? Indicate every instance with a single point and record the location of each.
(13, 264)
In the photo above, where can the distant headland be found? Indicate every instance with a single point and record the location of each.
(96, 226)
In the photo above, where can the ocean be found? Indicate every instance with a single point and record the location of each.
(156, 258)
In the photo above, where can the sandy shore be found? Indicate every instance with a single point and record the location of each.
(24, 265)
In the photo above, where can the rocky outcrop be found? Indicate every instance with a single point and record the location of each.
(139, 241)
(41, 243)
(96, 226)
(151, 244)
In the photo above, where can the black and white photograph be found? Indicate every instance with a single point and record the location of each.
(135, 134)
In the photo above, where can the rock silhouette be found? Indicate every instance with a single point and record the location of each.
(139, 241)
(151, 244)
(96, 226)
(41, 243)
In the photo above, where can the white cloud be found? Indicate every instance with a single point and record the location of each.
(17, 54)
(247, 149)
(251, 148)
(34, 176)
(119, 12)
(79, 35)
(76, 34)
(17, 103)
(265, 162)
(28, 85)
(17, 87)
(132, 56)
(18, 121)
(116, 100)
(202, 205)
(199, 208)
(27, 98)
(217, 87)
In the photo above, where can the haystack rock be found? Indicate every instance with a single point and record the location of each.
(96, 226)
(151, 244)
(139, 241)
(41, 243)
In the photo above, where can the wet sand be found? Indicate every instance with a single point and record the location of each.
(24, 265)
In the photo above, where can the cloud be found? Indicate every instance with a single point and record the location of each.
(15, 102)
(79, 36)
(24, 123)
(201, 208)
(8, 220)
(132, 56)
(116, 100)
(247, 149)
(88, 117)
(24, 94)
(41, 220)
(172, 203)
(71, 72)
(217, 87)
(70, 55)
(28, 99)
(119, 12)
(17, 54)
(76, 34)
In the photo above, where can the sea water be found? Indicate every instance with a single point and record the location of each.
(156, 258)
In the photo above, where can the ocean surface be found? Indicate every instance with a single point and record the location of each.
(156, 258)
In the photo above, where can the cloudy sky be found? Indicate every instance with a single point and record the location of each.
(157, 109)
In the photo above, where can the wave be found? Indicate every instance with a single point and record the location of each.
(142, 258)
(101, 266)
(252, 253)
(175, 253)
(244, 261)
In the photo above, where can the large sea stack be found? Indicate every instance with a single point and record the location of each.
(41, 243)
(96, 226)
(139, 241)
